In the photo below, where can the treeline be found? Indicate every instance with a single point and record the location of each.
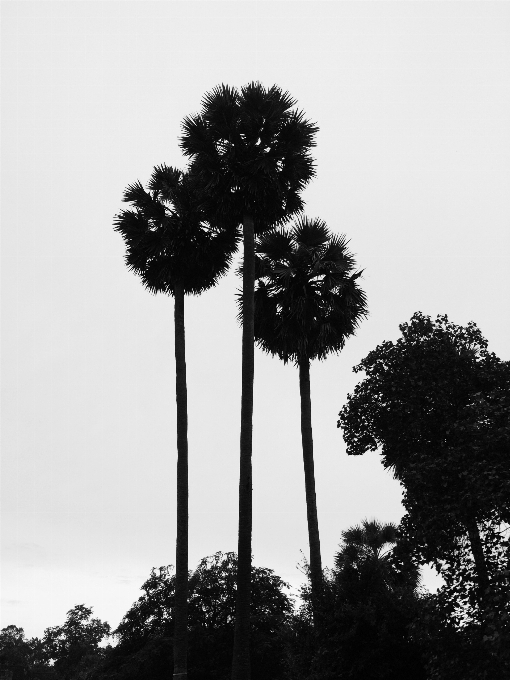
(436, 404)
(369, 604)
(375, 622)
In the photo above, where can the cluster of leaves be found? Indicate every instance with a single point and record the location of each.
(368, 601)
(469, 651)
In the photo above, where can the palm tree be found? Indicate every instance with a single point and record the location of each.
(175, 249)
(307, 303)
(250, 149)
(373, 597)
(365, 553)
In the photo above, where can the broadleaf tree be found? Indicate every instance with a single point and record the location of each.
(436, 403)
(141, 649)
(69, 645)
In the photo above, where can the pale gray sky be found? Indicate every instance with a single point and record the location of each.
(413, 164)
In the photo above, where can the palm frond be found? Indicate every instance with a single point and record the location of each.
(273, 245)
(311, 233)
(195, 139)
(136, 194)
(164, 181)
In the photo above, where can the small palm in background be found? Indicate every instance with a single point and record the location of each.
(375, 600)
(307, 303)
(175, 248)
(365, 555)
(372, 601)
(367, 563)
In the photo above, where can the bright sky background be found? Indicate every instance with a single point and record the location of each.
(413, 165)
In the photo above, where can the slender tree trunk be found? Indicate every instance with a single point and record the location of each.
(311, 502)
(479, 558)
(241, 655)
(181, 553)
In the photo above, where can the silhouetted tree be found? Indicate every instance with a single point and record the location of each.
(376, 600)
(250, 149)
(370, 601)
(437, 403)
(75, 644)
(175, 249)
(142, 634)
(307, 303)
(15, 652)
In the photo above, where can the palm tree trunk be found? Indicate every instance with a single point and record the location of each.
(479, 558)
(311, 502)
(241, 655)
(181, 556)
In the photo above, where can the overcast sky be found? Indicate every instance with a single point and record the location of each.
(413, 165)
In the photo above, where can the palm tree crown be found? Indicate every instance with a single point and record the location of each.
(370, 541)
(366, 558)
(170, 237)
(251, 150)
(307, 301)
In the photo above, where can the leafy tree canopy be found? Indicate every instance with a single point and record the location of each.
(79, 637)
(16, 652)
(145, 634)
(437, 405)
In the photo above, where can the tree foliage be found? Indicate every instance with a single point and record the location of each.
(437, 404)
(74, 646)
(144, 635)
(371, 599)
(23, 658)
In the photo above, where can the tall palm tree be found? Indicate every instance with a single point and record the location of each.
(307, 303)
(250, 149)
(175, 249)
